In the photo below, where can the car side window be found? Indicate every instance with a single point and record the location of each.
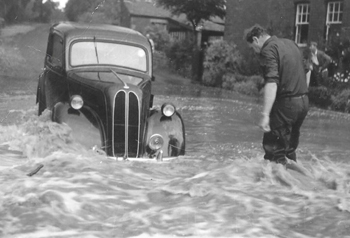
(55, 51)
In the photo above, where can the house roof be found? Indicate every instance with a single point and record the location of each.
(140, 8)
(206, 25)
(147, 9)
(218, 20)
(212, 26)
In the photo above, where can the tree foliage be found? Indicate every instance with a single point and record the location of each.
(27, 10)
(221, 57)
(180, 56)
(160, 36)
(13, 10)
(75, 8)
(98, 11)
(44, 11)
(195, 10)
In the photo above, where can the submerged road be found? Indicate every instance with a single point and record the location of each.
(221, 188)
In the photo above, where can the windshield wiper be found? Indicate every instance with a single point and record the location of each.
(98, 61)
(120, 79)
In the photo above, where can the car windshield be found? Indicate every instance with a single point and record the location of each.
(107, 53)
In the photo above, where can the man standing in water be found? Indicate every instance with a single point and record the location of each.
(285, 93)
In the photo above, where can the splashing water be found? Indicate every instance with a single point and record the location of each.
(221, 190)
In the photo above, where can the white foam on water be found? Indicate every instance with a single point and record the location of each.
(78, 193)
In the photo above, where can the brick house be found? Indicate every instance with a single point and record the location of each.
(300, 20)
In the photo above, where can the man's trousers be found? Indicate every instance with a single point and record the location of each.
(286, 117)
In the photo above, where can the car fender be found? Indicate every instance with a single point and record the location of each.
(86, 126)
(172, 131)
(40, 94)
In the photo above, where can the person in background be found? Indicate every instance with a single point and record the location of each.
(319, 63)
(285, 93)
(307, 65)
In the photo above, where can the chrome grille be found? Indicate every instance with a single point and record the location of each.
(126, 124)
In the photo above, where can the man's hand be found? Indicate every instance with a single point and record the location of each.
(265, 123)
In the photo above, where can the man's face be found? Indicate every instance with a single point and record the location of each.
(256, 45)
(313, 48)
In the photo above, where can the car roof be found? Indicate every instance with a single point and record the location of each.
(72, 30)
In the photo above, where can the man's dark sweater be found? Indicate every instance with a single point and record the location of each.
(277, 53)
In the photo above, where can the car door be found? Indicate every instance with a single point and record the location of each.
(55, 74)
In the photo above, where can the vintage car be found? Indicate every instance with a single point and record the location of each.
(97, 79)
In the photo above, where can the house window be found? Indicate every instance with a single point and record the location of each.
(335, 12)
(178, 35)
(334, 18)
(302, 23)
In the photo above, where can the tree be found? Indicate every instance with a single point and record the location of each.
(13, 10)
(97, 11)
(44, 10)
(106, 12)
(75, 8)
(195, 10)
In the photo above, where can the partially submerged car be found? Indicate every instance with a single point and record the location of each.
(97, 80)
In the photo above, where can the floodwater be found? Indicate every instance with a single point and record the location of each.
(221, 188)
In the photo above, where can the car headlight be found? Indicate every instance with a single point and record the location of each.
(76, 102)
(168, 109)
(156, 142)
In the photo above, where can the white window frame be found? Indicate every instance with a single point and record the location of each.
(334, 14)
(337, 7)
(302, 17)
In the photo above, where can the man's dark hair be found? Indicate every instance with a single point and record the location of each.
(254, 31)
(313, 43)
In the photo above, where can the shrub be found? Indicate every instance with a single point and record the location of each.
(341, 77)
(97, 17)
(341, 102)
(249, 64)
(220, 57)
(251, 86)
(160, 37)
(179, 55)
(229, 80)
(210, 78)
(339, 49)
(320, 96)
(241, 78)
(248, 85)
(259, 81)
(159, 60)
